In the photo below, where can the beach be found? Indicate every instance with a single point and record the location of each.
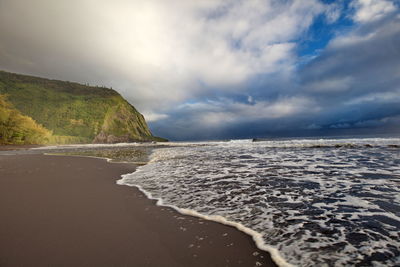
(69, 211)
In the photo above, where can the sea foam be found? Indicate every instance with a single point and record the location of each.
(307, 202)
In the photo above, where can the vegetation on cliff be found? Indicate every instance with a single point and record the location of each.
(71, 112)
(16, 128)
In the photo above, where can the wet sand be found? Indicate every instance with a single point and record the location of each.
(68, 211)
(17, 147)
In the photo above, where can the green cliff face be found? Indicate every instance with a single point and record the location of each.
(74, 113)
(16, 128)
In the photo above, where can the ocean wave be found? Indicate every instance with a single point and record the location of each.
(318, 207)
(257, 237)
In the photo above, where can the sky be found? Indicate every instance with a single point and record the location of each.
(221, 69)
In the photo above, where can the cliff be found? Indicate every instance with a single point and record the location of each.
(69, 112)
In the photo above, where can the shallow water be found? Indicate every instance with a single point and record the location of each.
(319, 202)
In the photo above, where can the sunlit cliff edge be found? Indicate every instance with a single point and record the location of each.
(35, 110)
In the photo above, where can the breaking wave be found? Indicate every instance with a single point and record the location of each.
(308, 202)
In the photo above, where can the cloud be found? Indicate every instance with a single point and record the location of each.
(227, 118)
(218, 68)
(371, 10)
(151, 117)
(360, 62)
(334, 84)
(223, 110)
(333, 12)
(352, 84)
(356, 78)
(157, 53)
(378, 97)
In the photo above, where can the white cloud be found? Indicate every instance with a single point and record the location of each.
(380, 97)
(351, 39)
(179, 49)
(371, 10)
(333, 12)
(151, 117)
(331, 85)
(224, 112)
(279, 109)
(160, 54)
(157, 53)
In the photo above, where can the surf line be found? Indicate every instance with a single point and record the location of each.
(256, 236)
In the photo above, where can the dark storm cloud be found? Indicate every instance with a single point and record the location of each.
(354, 84)
(357, 78)
(357, 64)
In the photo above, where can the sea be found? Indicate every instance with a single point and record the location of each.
(309, 202)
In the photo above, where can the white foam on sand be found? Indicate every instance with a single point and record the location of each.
(257, 237)
(310, 206)
(284, 198)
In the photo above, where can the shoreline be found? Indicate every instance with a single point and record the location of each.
(18, 147)
(256, 236)
(103, 223)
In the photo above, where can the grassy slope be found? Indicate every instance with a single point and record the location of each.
(72, 110)
(16, 128)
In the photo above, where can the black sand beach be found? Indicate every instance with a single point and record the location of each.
(68, 211)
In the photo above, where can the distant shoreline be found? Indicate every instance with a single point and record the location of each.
(17, 147)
